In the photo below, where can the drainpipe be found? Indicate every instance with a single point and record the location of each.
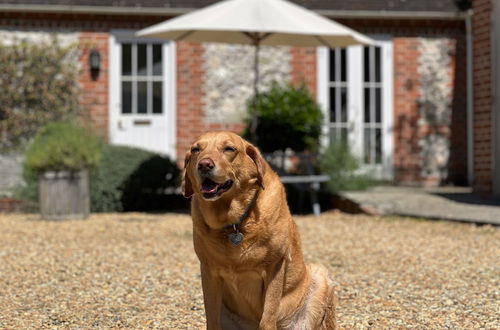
(470, 100)
(495, 72)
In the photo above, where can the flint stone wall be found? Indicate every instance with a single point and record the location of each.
(10, 174)
(229, 77)
(435, 106)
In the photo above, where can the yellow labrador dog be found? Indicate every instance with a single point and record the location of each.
(252, 269)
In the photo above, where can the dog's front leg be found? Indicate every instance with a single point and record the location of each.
(212, 288)
(273, 295)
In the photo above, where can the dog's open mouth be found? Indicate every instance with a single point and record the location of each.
(211, 189)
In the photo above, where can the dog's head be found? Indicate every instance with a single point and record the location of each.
(220, 164)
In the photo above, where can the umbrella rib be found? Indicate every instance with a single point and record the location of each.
(323, 41)
(255, 37)
(184, 35)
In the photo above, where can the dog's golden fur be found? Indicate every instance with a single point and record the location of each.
(262, 283)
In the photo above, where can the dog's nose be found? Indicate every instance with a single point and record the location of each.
(205, 165)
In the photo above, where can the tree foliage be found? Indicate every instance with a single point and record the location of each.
(39, 84)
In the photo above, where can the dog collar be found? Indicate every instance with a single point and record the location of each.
(236, 237)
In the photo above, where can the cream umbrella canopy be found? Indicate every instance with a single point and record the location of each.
(258, 23)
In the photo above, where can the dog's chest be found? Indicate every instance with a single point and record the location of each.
(249, 254)
(243, 292)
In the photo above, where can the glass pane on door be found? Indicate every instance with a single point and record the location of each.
(141, 78)
(338, 87)
(372, 94)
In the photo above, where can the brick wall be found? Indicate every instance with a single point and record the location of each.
(304, 67)
(407, 158)
(190, 99)
(94, 96)
(407, 37)
(483, 98)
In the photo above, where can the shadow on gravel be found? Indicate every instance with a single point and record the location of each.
(470, 198)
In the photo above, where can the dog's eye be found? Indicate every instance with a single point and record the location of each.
(195, 150)
(230, 149)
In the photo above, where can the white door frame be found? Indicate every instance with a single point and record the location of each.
(355, 101)
(168, 87)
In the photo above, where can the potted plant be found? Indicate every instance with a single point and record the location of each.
(61, 154)
(288, 117)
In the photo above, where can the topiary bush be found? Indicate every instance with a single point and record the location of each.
(130, 179)
(343, 167)
(63, 146)
(39, 84)
(288, 117)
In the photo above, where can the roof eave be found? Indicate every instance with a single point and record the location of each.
(389, 14)
(98, 10)
(167, 11)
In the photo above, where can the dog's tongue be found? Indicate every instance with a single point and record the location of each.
(208, 186)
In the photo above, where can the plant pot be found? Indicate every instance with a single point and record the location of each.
(64, 195)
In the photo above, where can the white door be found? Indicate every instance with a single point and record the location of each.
(355, 91)
(142, 93)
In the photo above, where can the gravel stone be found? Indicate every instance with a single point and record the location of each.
(139, 271)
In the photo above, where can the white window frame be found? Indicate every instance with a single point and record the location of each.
(384, 171)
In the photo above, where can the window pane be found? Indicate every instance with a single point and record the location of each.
(142, 63)
(157, 60)
(366, 64)
(367, 145)
(378, 105)
(332, 65)
(333, 135)
(343, 104)
(343, 65)
(367, 104)
(343, 135)
(378, 146)
(333, 117)
(157, 97)
(126, 59)
(142, 97)
(126, 97)
(378, 64)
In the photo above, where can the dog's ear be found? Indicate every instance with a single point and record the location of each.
(187, 187)
(259, 161)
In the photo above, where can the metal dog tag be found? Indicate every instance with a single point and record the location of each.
(236, 238)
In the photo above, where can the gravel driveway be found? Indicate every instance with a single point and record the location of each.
(140, 271)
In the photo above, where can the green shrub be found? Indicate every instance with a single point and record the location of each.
(39, 84)
(63, 146)
(28, 192)
(130, 179)
(343, 168)
(288, 117)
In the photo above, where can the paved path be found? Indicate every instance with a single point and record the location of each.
(447, 203)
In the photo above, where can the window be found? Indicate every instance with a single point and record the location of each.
(141, 78)
(355, 92)
(372, 104)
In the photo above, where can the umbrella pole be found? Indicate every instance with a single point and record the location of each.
(254, 119)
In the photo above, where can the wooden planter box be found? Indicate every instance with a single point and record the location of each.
(64, 195)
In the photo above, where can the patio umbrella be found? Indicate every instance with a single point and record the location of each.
(256, 22)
